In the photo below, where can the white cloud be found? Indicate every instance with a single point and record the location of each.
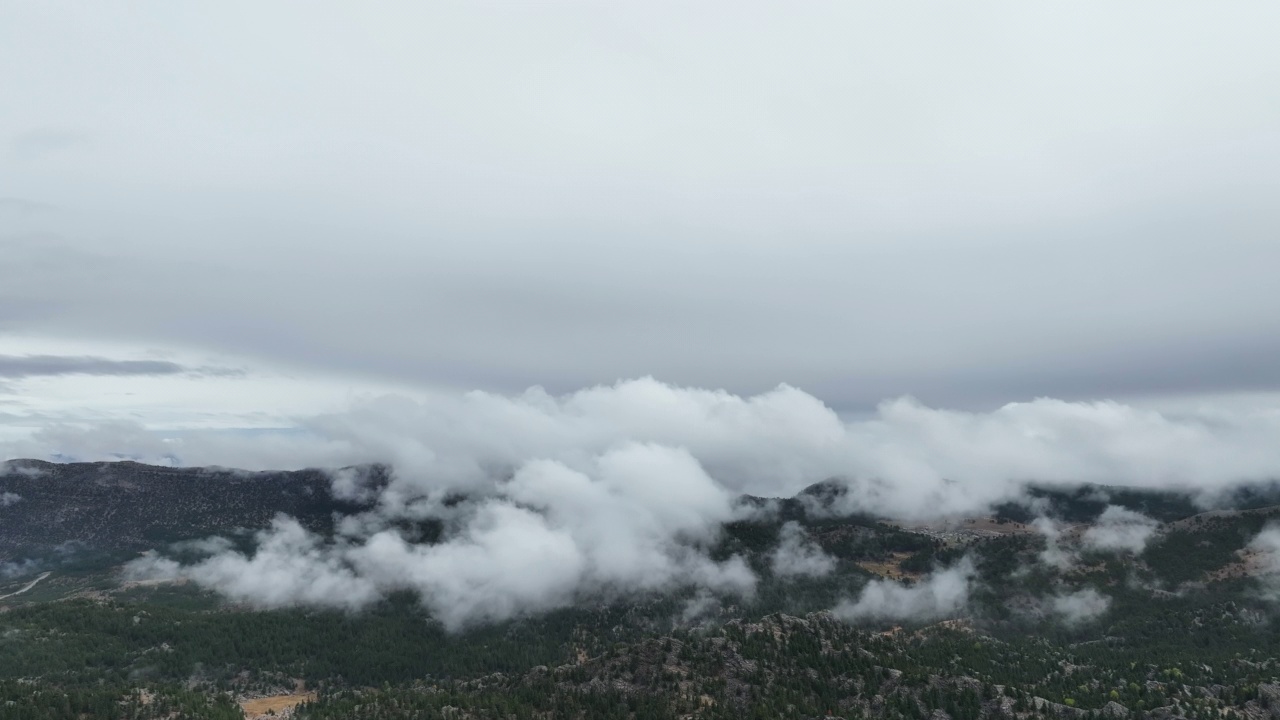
(640, 521)
(905, 460)
(9, 498)
(620, 488)
(203, 546)
(1116, 529)
(797, 555)
(1080, 606)
(1120, 529)
(291, 567)
(942, 593)
(1054, 554)
(701, 605)
(1267, 542)
(1267, 545)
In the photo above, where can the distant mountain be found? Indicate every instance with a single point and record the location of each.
(128, 506)
(125, 507)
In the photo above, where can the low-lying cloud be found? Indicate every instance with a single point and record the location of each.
(1120, 529)
(906, 460)
(17, 568)
(941, 594)
(13, 468)
(625, 488)
(291, 567)
(9, 498)
(642, 520)
(1054, 554)
(798, 556)
(1080, 606)
(1117, 529)
(1266, 544)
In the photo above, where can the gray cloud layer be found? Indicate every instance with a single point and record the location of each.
(20, 366)
(24, 366)
(622, 489)
(865, 202)
(906, 460)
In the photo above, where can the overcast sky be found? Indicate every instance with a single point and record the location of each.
(264, 208)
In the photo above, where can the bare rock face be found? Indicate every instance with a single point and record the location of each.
(1114, 709)
(1168, 712)
(1054, 709)
(1269, 698)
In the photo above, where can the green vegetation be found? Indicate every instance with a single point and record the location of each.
(1203, 544)
(1180, 638)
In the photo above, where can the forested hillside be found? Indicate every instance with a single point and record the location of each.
(1043, 618)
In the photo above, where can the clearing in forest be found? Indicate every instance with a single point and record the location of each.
(260, 707)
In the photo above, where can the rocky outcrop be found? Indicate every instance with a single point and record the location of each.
(1269, 698)
(1115, 710)
(1054, 709)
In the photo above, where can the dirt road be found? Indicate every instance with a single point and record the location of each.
(27, 587)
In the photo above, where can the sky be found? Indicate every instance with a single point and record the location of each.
(221, 221)
(600, 268)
